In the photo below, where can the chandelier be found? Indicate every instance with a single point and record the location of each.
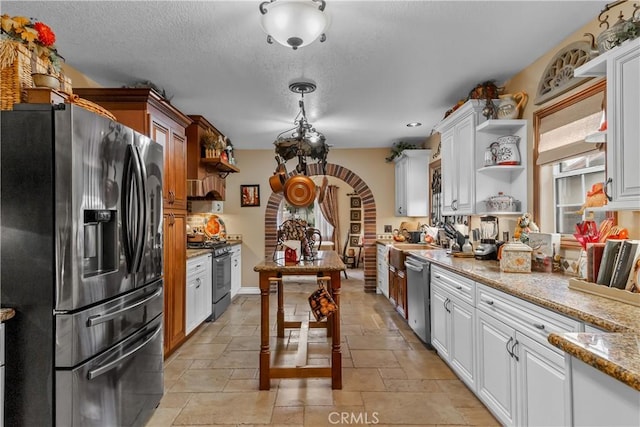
(303, 140)
(294, 23)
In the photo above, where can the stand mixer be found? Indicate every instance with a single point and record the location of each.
(487, 249)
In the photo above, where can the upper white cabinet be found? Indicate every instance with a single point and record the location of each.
(621, 66)
(412, 179)
(458, 149)
(511, 180)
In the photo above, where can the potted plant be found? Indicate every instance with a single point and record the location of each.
(398, 148)
(208, 142)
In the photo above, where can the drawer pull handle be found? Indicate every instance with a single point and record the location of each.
(487, 301)
(539, 325)
(458, 287)
(437, 276)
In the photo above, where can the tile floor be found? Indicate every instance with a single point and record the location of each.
(389, 377)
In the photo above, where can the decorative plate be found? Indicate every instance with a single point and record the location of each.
(212, 227)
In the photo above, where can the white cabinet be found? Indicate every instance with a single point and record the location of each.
(199, 291)
(601, 400)
(236, 269)
(458, 162)
(491, 180)
(453, 322)
(521, 377)
(412, 179)
(621, 66)
(383, 269)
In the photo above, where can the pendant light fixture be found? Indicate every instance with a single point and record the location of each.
(303, 140)
(294, 23)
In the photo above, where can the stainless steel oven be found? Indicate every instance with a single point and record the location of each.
(221, 280)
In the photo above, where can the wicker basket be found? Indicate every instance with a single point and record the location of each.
(16, 78)
(91, 106)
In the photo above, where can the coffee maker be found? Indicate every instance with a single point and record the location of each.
(487, 249)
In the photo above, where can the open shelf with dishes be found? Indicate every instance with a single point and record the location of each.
(492, 178)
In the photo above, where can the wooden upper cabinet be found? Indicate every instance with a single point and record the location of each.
(147, 112)
(211, 171)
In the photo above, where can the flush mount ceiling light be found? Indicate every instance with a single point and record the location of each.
(414, 124)
(294, 23)
(303, 140)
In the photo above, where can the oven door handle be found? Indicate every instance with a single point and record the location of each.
(413, 267)
(94, 373)
(101, 318)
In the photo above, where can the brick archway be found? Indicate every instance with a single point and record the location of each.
(369, 218)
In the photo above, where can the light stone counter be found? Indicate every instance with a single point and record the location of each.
(617, 355)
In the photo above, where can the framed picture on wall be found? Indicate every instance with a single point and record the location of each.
(250, 195)
(356, 202)
(355, 228)
(356, 215)
(354, 240)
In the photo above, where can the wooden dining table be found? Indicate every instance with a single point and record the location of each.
(327, 264)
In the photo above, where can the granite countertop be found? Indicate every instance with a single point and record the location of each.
(618, 354)
(327, 261)
(6, 314)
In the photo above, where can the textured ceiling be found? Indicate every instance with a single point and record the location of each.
(384, 64)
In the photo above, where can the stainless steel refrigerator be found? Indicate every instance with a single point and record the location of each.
(81, 263)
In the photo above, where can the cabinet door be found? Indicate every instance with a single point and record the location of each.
(383, 270)
(440, 322)
(466, 170)
(175, 262)
(192, 305)
(393, 286)
(179, 170)
(449, 175)
(401, 285)
(161, 134)
(623, 110)
(496, 380)
(543, 398)
(236, 270)
(401, 177)
(462, 342)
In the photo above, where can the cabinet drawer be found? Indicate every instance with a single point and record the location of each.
(455, 284)
(198, 265)
(532, 320)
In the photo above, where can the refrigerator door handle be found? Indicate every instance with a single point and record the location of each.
(101, 318)
(126, 209)
(141, 185)
(94, 373)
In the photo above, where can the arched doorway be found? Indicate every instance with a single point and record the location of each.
(369, 218)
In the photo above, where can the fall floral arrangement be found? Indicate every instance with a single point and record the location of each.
(36, 36)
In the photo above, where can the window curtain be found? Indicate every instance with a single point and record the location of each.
(562, 134)
(329, 208)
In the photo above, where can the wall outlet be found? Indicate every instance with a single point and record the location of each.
(388, 228)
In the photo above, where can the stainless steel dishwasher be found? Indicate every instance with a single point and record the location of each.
(418, 297)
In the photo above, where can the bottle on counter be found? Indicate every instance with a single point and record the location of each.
(467, 247)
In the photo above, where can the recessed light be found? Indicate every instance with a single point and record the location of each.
(414, 124)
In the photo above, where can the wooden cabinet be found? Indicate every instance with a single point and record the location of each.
(175, 261)
(453, 322)
(199, 291)
(210, 172)
(383, 269)
(491, 180)
(147, 112)
(458, 160)
(236, 269)
(521, 377)
(621, 66)
(412, 176)
(398, 290)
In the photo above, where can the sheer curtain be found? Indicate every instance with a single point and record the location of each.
(329, 208)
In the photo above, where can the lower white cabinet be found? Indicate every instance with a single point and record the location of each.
(521, 377)
(236, 269)
(383, 269)
(453, 323)
(601, 400)
(199, 291)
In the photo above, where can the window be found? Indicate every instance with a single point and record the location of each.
(572, 179)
